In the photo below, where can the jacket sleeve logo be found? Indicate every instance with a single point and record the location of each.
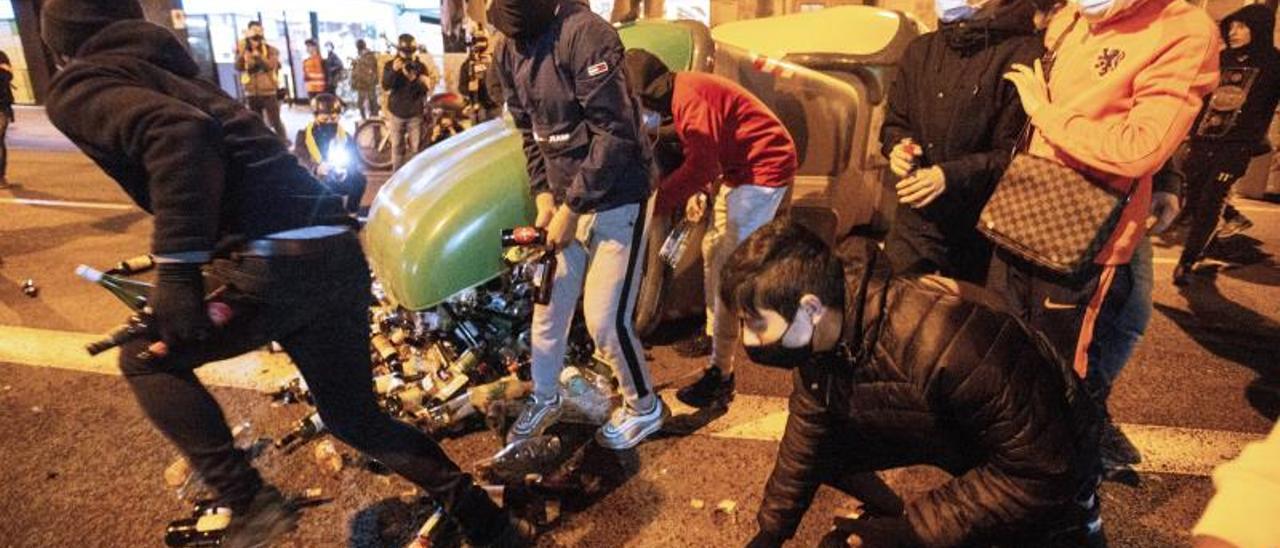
(597, 69)
(1108, 60)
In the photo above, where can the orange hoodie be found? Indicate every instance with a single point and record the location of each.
(1123, 95)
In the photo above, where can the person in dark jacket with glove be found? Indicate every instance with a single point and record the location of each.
(591, 170)
(893, 372)
(228, 199)
(949, 130)
(1231, 128)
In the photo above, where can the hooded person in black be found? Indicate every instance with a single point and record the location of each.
(1232, 126)
(950, 127)
(229, 201)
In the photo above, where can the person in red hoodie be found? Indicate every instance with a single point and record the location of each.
(1127, 81)
(736, 150)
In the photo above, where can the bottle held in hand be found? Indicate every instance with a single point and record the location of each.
(135, 294)
(132, 293)
(676, 244)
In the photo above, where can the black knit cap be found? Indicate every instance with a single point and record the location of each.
(65, 25)
(650, 79)
(522, 19)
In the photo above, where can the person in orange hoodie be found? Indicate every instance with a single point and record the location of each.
(1126, 83)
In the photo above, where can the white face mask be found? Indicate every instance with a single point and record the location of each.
(950, 11)
(1097, 11)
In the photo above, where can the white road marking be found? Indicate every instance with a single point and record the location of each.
(261, 371)
(68, 204)
(1165, 449)
(1258, 209)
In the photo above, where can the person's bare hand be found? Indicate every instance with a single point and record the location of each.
(563, 227)
(1164, 209)
(696, 207)
(902, 159)
(1033, 91)
(922, 187)
(546, 206)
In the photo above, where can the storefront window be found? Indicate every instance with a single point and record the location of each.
(11, 45)
(694, 10)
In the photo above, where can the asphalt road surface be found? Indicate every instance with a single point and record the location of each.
(80, 465)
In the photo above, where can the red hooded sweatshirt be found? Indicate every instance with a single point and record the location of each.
(726, 131)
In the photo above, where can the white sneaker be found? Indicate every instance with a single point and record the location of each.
(536, 418)
(628, 427)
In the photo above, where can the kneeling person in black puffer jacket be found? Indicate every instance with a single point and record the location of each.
(893, 372)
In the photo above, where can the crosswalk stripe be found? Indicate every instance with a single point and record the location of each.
(66, 203)
(1165, 449)
(261, 371)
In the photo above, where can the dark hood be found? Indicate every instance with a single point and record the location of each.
(651, 80)
(147, 42)
(65, 25)
(522, 20)
(998, 20)
(1261, 22)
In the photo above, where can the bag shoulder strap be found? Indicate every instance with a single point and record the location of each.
(1046, 62)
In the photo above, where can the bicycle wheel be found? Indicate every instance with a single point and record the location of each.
(375, 147)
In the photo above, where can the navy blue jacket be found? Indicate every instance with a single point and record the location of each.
(568, 94)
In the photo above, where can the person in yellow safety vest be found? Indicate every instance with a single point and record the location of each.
(327, 150)
(313, 70)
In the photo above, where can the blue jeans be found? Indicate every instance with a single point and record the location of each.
(1120, 327)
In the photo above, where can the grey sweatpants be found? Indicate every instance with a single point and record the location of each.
(603, 265)
(738, 211)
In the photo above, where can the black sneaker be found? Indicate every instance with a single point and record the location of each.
(1117, 451)
(1182, 274)
(517, 533)
(713, 387)
(1233, 226)
(697, 347)
(268, 516)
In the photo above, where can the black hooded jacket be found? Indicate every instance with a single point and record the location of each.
(205, 166)
(949, 96)
(948, 379)
(1251, 72)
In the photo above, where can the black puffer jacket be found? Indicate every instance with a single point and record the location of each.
(205, 166)
(954, 383)
(949, 96)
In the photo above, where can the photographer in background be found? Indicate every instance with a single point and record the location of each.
(258, 63)
(408, 79)
(364, 80)
(329, 153)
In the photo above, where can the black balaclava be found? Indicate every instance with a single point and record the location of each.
(522, 20)
(65, 25)
(650, 80)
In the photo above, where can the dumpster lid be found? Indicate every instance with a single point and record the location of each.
(880, 33)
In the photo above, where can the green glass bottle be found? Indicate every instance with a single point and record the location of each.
(131, 292)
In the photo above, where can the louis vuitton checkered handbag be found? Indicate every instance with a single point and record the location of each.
(1047, 213)
(1050, 214)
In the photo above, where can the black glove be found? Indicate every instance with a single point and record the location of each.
(765, 539)
(872, 532)
(177, 302)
